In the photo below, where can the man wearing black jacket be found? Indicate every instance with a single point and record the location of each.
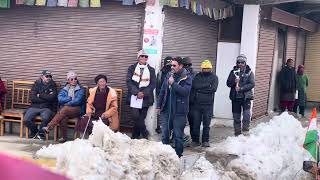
(141, 81)
(241, 82)
(204, 86)
(43, 99)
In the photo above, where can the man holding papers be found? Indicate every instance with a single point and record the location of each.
(141, 81)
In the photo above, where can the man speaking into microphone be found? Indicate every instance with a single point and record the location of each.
(173, 104)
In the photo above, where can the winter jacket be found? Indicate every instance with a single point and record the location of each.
(203, 89)
(47, 94)
(3, 91)
(78, 100)
(111, 107)
(246, 84)
(161, 76)
(288, 80)
(133, 86)
(180, 90)
(302, 84)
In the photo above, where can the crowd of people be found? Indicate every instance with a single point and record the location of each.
(183, 96)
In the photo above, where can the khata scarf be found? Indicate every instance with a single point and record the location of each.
(145, 77)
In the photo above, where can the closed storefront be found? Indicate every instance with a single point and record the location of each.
(186, 34)
(312, 66)
(89, 41)
(291, 43)
(264, 68)
(301, 46)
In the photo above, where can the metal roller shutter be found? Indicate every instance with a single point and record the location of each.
(291, 43)
(312, 66)
(301, 45)
(89, 41)
(264, 68)
(186, 34)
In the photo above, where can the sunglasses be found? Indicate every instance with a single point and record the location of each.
(73, 79)
(48, 76)
(241, 62)
(144, 56)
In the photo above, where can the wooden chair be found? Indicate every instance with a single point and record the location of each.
(20, 100)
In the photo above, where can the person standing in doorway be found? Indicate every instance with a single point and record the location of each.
(241, 82)
(204, 86)
(288, 86)
(141, 81)
(173, 104)
(302, 85)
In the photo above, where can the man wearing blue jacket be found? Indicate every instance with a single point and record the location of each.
(173, 104)
(72, 104)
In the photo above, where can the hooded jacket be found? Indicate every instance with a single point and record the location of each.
(246, 84)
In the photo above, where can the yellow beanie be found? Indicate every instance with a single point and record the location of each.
(206, 64)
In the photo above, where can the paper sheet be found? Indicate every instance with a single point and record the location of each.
(135, 102)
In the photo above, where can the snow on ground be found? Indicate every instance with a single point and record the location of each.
(272, 151)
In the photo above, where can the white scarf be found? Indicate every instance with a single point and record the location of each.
(145, 79)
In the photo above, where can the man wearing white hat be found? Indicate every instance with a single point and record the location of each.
(141, 81)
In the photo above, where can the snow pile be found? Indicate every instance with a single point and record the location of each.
(203, 169)
(272, 151)
(109, 155)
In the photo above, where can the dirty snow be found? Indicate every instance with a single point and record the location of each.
(272, 151)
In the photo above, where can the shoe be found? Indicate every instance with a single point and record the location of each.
(145, 135)
(33, 136)
(46, 130)
(62, 140)
(245, 133)
(195, 144)
(205, 144)
(41, 137)
(237, 134)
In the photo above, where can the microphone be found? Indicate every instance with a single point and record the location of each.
(171, 75)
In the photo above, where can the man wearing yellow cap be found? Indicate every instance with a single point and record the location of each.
(204, 86)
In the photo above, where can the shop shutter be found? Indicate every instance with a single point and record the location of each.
(312, 66)
(186, 34)
(291, 43)
(263, 68)
(89, 41)
(301, 46)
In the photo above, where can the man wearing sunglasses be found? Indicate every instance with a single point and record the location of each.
(43, 99)
(241, 81)
(141, 81)
(71, 100)
(173, 103)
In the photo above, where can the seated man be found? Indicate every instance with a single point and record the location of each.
(72, 105)
(43, 99)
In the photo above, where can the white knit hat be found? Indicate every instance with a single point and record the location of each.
(71, 74)
(141, 52)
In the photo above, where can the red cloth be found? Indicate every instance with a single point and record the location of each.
(17, 169)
